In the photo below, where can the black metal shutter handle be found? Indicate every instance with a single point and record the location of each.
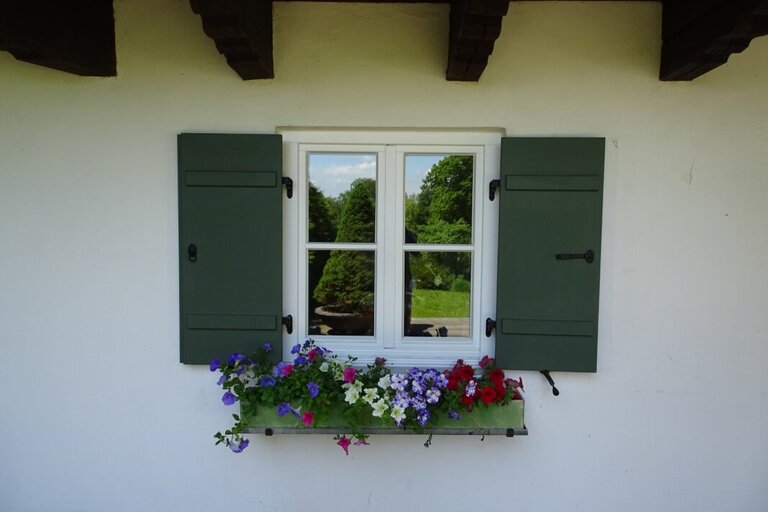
(192, 253)
(588, 256)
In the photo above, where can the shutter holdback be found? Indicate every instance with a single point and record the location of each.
(546, 374)
(493, 186)
(288, 183)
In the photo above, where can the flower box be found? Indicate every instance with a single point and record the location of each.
(505, 420)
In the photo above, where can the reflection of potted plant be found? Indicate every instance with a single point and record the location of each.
(345, 290)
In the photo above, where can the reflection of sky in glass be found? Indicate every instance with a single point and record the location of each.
(332, 174)
(416, 167)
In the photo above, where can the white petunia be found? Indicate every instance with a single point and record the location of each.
(398, 414)
(352, 395)
(379, 408)
(324, 366)
(371, 395)
(384, 382)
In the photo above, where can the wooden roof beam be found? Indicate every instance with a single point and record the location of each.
(242, 31)
(700, 35)
(474, 27)
(76, 37)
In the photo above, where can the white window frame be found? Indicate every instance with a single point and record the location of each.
(391, 146)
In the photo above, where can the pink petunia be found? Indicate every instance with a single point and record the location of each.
(286, 369)
(308, 418)
(344, 443)
(349, 375)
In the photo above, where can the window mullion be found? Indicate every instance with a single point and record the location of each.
(389, 247)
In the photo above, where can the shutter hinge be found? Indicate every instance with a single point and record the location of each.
(288, 323)
(288, 183)
(546, 374)
(493, 186)
(490, 325)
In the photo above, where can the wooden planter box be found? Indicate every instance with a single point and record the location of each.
(508, 420)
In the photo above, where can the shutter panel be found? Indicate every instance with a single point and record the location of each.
(551, 203)
(230, 224)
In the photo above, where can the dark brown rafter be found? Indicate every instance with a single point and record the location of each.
(76, 37)
(242, 31)
(474, 27)
(700, 35)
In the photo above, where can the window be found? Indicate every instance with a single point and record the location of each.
(385, 242)
(250, 240)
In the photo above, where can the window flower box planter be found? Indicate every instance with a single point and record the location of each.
(318, 394)
(507, 420)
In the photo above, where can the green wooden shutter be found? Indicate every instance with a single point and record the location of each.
(551, 194)
(230, 210)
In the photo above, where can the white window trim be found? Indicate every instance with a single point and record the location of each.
(410, 351)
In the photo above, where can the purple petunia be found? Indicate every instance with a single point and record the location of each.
(228, 398)
(267, 382)
(313, 388)
(235, 358)
(283, 408)
(239, 447)
(433, 395)
(454, 415)
(215, 365)
(295, 349)
(267, 347)
(221, 380)
(300, 360)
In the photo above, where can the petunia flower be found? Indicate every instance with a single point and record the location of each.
(238, 447)
(313, 389)
(385, 382)
(398, 414)
(228, 398)
(221, 380)
(379, 408)
(283, 408)
(286, 369)
(308, 418)
(295, 349)
(349, 374)
(267, 347)
(344, 443)
(215, 365)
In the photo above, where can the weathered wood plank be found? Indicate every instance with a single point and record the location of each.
(76, 37)
(700, 36)
(242, 31)
(474, 27)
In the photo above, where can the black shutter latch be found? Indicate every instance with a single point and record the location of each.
(493, 186)
(546, 374)
(192, 253)
(288, 183)
(490, 325)
(288, 323)
(588, 256)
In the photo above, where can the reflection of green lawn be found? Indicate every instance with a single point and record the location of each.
(440, 304)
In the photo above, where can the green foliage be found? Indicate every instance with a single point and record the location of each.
(442, 214)
(348, 277)
(322, 228)
(461, 285)
(440, 304)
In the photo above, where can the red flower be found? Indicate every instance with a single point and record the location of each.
(501, 392)
(467, 400)
(308, 417)
(488, 395)
(497, 377)
(312, 354)
(466, 372)
(486, 362)
(286, 369)
(453, 383)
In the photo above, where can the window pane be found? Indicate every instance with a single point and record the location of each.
(342, 197)
(437, 294)
(438, 199)
(341, 292)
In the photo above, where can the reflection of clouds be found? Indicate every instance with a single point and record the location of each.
(416, 168)
(333, 174)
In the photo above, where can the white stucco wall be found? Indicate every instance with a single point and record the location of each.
(97, 414)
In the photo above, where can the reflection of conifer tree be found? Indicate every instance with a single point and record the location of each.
(321, 229)
(347, 280)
